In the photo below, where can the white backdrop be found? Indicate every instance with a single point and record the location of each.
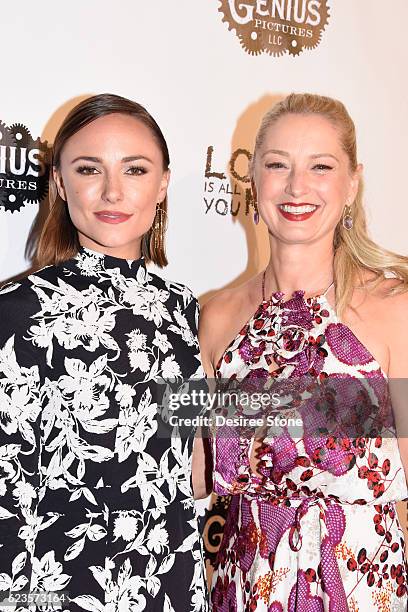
(180, 60)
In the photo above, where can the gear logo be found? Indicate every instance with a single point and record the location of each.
(276, 26)
(24, 165)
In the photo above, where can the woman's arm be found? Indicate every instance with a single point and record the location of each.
(202, 460)
(220, 319)
(202, 466)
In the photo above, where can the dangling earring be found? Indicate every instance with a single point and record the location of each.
(256, 212)
(159, 227)
(347, 218)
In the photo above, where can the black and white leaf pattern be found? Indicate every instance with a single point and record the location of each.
(93, 497)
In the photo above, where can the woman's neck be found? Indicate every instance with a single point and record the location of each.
(129, 251)
(299, 266)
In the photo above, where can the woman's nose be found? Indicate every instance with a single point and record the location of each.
(297, 183)
(112, 189)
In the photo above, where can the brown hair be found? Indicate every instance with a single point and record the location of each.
(58, 240)
(354, 251)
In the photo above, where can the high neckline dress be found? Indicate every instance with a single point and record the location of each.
(96, 501)
(314, 528)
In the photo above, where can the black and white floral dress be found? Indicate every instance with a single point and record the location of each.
(93, 500)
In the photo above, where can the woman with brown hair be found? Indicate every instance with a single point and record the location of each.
(97, 509)
(312, 523)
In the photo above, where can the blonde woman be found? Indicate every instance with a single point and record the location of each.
(312, 523)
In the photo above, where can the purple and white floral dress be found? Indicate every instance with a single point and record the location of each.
(314, 527)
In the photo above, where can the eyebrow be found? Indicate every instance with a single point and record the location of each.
(98, 160)
(286, 154)
(278, 151)
(324, 155)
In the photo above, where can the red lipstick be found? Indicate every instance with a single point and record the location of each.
(299, 212)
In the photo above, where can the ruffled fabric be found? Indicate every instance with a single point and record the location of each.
(285, 332)
(314, 528)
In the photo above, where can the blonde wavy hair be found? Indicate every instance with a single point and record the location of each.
(354, 251)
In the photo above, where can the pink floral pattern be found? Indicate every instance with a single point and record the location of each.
(314, 528)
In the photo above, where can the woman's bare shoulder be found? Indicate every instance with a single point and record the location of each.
(228, 303)
(224, 314)
(372, 315)
(385, 311)
(393, 305)
(388, 298)
(220, 305)
(394, 317)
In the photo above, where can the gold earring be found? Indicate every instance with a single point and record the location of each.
(159, 227)
(347, 220)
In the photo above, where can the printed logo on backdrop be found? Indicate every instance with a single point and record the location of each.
(276, 26)
(231, 195)
(24, 164)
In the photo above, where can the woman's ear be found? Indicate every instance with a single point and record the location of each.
(164, 185)
(56, 175)
(355, 182)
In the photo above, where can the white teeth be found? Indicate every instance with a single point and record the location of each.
(298, 210)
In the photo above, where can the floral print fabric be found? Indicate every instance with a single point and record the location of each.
(314, 528)
(93, 501)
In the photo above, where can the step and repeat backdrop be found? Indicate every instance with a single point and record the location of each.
(207, 71)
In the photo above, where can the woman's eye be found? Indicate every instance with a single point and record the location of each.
(275, 165)
(136, 170)
(86, 170)
(322, 167)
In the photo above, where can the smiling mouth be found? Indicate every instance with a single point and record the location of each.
(297, 212)
(297, 209)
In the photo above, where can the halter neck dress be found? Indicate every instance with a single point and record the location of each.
(315, 526)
